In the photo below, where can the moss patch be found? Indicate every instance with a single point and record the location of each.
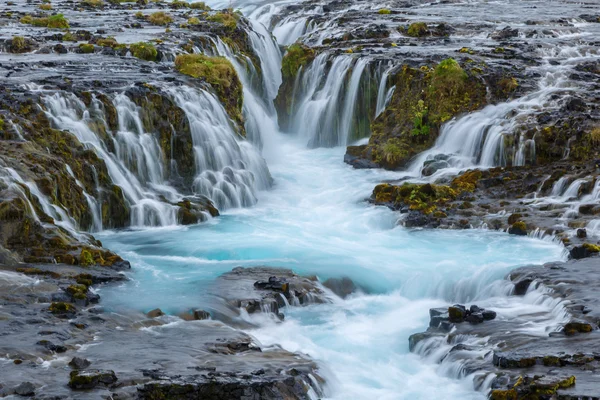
(144, 51)
(423, 100)
(160, 18)
(221, 75)
(297, 56)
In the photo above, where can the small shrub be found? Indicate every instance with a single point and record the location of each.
(417, 29)
(58, 21)
(18, 44)
(160, 18)
(86, 48)
(144, 51)
(45, 7)
(228, 18)
(199, 5)
(193, 21)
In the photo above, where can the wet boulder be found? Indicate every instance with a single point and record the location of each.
(26, 389)
(505, 33)
(343, 287)
(79, 363)
(85, 380)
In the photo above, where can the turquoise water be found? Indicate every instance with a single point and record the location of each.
(316, 221)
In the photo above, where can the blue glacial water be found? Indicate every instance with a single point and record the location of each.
(316, 221)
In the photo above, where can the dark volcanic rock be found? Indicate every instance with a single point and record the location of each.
(81, 380)
(259, 289)
(79, 363)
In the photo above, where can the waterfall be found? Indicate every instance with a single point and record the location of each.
(229, 170)
(258, 109)
(384, 94)
(133, 166)
(325, 101)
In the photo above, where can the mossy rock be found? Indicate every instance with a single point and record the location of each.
(221, 75)
(228, 18)
(425, 198)
(417, 29)
(61, 308)
(424, 99)
(86, 380)
(144, 51)
(296, 57)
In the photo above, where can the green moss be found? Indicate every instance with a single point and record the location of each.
(199, 5)
(508, 85)
(58, 21)
(86, 258)
(61, 308)
(86, 48)
(18, 45)
(93, 3)
(592, 248)
(384, 11)
(297, 56)
(417, 29)
(499, 394)
(143, 50)
(78, 292)
(227, 18)
(467, 182)
(176, 4)
(69, 37)
(45, 7)
(193, 21)
(551, 361)
(160, 18)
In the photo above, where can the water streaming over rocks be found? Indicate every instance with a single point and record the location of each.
(171, 151)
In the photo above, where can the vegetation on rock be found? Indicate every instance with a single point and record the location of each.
(221, 75)
(144, 51)
(227, 18)
(160, 18)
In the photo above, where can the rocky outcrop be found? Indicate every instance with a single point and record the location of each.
(424, 98)
(53, 309)
(526, 365)
(263, 290)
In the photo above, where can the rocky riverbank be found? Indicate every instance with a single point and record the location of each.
(118, 115)
(560, 363)
(59, 342)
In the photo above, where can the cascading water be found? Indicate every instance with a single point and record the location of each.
(136, 158)
(314, 220)
(229, 171)
(325, 103)
(478, 139)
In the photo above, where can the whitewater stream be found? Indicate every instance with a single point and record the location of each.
(315, 220)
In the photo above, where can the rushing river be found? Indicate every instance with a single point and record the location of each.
(316, 221)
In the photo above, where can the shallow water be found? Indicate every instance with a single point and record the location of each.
(316, 221)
